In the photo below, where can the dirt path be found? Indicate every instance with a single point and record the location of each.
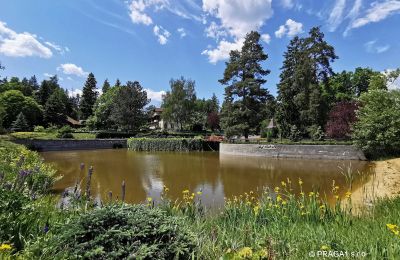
(385, 182)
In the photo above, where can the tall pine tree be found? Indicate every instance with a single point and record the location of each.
(106, 86)
(306, 68)
(244, 104)
(89, 96)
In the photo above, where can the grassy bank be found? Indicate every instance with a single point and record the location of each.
(278, 225)
(49, 135)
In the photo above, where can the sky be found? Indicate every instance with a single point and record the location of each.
(152, 41)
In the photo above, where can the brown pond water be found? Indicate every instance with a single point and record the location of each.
(217, 176)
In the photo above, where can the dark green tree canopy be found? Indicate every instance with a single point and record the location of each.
(89, 96)
(106, 86)
(55, 110)
(245, 99)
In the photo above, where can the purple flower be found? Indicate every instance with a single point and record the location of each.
(46, 228)
(24, 173)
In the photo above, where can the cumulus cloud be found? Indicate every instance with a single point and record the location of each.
(48, 75)
(336, 15)
(236, 19)
(290, 29)
(239, 17)
(72, 69)
(287, 3)
(155, 95)
(161, 34)
(181, 32)
(222, 51)
(24, 44)
(74, 92)
(266, 38)
(377, 12)
(215, 31)
(137, 10)
(373, 47)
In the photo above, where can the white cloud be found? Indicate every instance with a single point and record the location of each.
(57, 47)
(377, 12)
(290, 29)
(239, 17)
(266, 38)
(281, 31)
(223, 50)
(74, 92)
(24, 44)
(138, 8)
(72, 69)
(161, 34)
(372, 47)
(336, 16)
(48, 75)
(353, 14)
(287, 3)
(155, 95)
(215, 31)
(181, 32)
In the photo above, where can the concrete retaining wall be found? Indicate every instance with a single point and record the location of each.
(328, 152)
(71, 144)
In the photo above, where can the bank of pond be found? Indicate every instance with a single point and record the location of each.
(288, 220)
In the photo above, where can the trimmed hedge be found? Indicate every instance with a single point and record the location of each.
(171, 144)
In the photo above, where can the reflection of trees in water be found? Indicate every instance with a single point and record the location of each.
(217, 175)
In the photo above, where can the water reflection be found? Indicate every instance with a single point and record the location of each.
(218, 176)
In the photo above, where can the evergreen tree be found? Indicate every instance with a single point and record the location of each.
(89, 96)
(33, 83)
(47, 87)
(117, 83)
(306, 68)
(106, 86)
(244, 104)
(128, 109)
(55, 110)
(20, 124)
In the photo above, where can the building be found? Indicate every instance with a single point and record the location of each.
(157, 122)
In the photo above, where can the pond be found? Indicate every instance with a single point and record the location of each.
(217, 176)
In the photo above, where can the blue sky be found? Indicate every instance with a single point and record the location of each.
(153, 41)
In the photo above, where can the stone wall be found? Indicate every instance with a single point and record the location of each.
(329, 152)
(71, 144)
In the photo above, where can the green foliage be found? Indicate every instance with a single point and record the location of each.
(128, 107)
(120, 232)
(14, 102)
(170, 144)
(377, 130)
(55, 109)
(65, 132)
(316, 133)
(20, 124)
(244, 105)
(361, 80)
(89, 96)
(306, 67)
(179, 103)
(295, 134)
(47, 87)
(106, 86)
(103, 108)
(39, 129)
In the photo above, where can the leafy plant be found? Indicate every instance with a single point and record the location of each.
(295, 134)
(121, 231)
(65, 132)
(171, 144)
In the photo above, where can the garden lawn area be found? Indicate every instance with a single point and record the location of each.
(49, 135)
(36, 224)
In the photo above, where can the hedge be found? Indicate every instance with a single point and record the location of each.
(108, 135)
(171, 144)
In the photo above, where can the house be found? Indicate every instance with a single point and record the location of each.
(157, 122)
(73, 123)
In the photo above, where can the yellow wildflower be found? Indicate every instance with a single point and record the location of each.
(300, 182)
(278, 198)
(336, 197)
(256, 210)
(276, 189)
(185, 192)
(302, 193)
(311, 194)
(284, 202)
(4, 247)
(348, 195)
(228, 251)
(199, 193)
(324, 248)
(283, 184)
(245, 252)
(391, 226)
(149, 199)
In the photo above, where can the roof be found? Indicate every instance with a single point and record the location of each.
(159, 109)
(73, 121)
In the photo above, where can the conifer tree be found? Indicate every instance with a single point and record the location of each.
(89, 96)
(20, 124)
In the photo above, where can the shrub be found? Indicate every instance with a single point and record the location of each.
(295, 134)
(340, 120)
(20, 124)
(171, 144)
(119, 232)
(316, 133)
(377, 130)
(65, 132)
(39, 129)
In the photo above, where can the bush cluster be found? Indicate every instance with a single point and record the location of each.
(121, 232)
(171, 144)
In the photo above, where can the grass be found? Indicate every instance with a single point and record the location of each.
(277, 225)
(49, 135)
(289, 142)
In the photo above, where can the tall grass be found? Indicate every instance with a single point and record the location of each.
(171, 144)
